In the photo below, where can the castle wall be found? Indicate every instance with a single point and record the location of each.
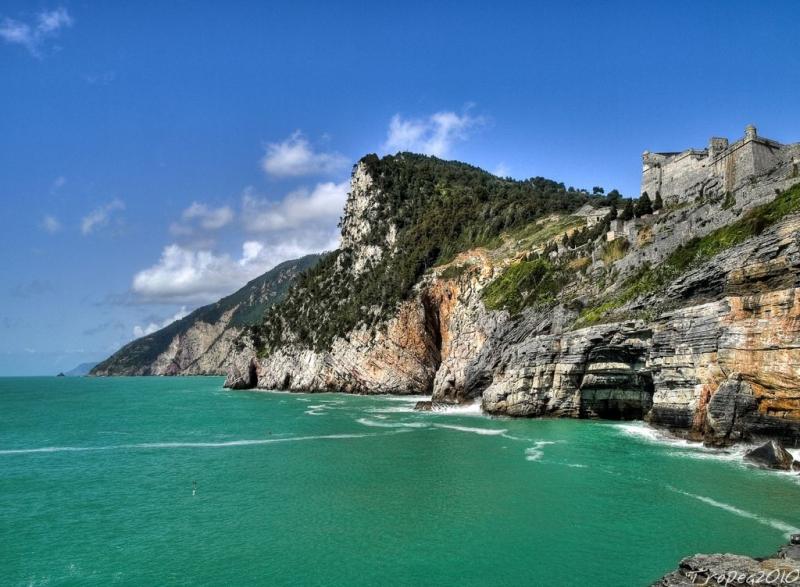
(673, 177)
(692, 174)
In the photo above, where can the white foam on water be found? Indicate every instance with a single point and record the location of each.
(482, 431)
(403, 398)
(577, 465)
(374, 424)
(512, 437)
(161, 445)
(646, 432)
(536, 452)
(780, 525)
(695, 450)
(319, 412)
(392, 410)
(688, 448)
(473, 409)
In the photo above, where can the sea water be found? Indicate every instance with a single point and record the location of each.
(176, 481)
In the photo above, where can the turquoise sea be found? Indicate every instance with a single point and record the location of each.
(97, 478)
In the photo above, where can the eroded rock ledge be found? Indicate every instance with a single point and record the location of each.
(722, 366)
(782, 568)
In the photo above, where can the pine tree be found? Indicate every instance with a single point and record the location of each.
(627, 211)
(658, 204)
(644, 206)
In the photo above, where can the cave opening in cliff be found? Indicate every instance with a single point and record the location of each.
(629, 402)
(252, 375)
(433, 328)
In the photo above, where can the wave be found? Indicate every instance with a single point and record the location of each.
(160, 445)
(784, 527)
(696, 450)
(687, 448)
(374, 424)
(535, 453)
(482, 431)
(473, 409)
(393, 410)
(403, 398)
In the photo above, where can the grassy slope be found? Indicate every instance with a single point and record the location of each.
(695, 252)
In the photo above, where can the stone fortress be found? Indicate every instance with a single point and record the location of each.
(720, 169)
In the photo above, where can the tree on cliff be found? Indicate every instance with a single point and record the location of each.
(658, 203)
(627, 211)
(644, 206)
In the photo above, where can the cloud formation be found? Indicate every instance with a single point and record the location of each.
(434, 135)
(200, 217)
(51, 224)
(100, 217)
(301, 208)
(186, 276)
(33, 35)
(295, 157)
(151, 327)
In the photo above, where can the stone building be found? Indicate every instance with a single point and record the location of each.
(719, 169)
(593, 215)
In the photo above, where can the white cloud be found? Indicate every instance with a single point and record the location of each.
(150, 328)
(295, 157)
(192, 271)
(301, 208)
(183, 275)
(434, 135)
(51, 224)
(100, 216)
(199, 216)
(57, 184)
(32, 35)
(502, 170)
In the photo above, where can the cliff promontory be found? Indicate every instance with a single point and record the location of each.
(680, 307)
(202, 342)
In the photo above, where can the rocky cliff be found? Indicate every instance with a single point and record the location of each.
(781, 568)
(202, 342)
(689, 319)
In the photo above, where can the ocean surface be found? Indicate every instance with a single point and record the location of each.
(175, 481)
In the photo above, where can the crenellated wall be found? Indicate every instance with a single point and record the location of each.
(719, 169)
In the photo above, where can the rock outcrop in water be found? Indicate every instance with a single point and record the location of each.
(688, 317)
(772, 455)
(782, 568)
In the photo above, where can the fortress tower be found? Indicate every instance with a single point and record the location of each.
(720, 168)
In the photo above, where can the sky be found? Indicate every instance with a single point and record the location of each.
(156, 155)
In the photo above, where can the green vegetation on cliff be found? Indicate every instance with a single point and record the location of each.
(696, 251)
(248, 305)
(529, 282)
(437, 209)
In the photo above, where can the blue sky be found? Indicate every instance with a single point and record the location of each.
(156, 155)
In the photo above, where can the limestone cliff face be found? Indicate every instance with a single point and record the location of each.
(203, 342)
(714, 353)
(721, 370)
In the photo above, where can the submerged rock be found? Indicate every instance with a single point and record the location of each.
(771, 455)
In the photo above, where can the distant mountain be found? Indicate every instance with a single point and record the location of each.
(200, 343)
(81, 370)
